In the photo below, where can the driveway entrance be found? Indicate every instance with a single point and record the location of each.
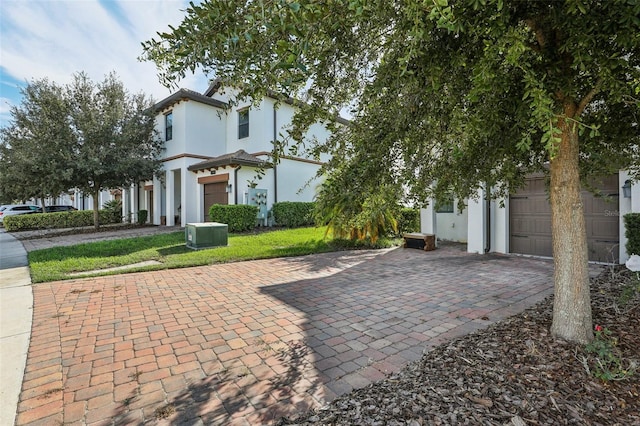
(246, 343)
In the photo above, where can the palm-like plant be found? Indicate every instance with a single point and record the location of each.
(356, 213)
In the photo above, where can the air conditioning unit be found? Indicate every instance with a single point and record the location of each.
(206, 235)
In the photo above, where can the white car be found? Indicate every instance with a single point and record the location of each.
(14, 209)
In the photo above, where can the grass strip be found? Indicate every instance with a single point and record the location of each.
(170, 250)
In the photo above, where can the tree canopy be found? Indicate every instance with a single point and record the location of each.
(85, 135)
(445, 94)
(36, 148)
(115, 141)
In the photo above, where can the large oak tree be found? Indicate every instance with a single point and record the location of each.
(445, 94)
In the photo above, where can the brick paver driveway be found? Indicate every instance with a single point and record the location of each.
(245, 343)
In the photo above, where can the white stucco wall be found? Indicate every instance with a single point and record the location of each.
(206, 130)
(446, 226)
(452, 226)
(260, 128)
(297, 180)
(176, 145)
(198, 129)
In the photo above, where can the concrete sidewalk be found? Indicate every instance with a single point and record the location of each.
(16, 309)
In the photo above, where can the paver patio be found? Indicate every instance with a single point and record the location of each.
(246, 343)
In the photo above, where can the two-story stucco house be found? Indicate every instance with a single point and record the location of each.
(213, 154)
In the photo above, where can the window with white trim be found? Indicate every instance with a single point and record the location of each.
(243, 123)
(168, 126)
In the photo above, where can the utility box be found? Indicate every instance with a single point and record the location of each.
(206, 235)
(258, 197)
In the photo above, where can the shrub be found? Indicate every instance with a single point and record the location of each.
(72, 219)
(408, 220)
(238, 217)
(632, 224)
(114, 209)
(293, 214)
(142, 217)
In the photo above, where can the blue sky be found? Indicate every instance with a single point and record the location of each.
(56, 38)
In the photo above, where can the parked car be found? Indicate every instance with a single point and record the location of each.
(14, 209)
(54, 209)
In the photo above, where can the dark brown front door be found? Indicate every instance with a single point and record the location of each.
(214, 193)
(530, 220)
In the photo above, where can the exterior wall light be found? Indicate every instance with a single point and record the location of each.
(626, 189)
(229, 188)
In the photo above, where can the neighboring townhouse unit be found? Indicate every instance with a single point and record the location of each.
(213, 154)
(522, 223)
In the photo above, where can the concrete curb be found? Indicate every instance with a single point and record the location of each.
(16, 313)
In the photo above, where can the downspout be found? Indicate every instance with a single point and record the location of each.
(487, 218)
(275, 167)
(235, 184)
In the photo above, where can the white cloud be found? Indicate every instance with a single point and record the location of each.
(55, 39)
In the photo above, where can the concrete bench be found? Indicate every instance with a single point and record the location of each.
(426, 242)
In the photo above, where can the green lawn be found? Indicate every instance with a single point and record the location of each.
(170, 250)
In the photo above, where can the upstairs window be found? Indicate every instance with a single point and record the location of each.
(243, 124)
(168, 126)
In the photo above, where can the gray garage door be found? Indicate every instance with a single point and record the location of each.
(214, 193)
(530, 220)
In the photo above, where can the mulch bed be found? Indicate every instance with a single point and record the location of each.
(512, 373)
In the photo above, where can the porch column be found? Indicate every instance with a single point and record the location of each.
(626, 205)
(191, 198)
(134, 203)
(171, 202)
(428, 223)
(157, 201)
(500, 226)
(476, 223)
(126, 204)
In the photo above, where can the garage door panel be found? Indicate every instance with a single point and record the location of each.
(540, 246)
(542, 206)
(596, 206)
(543, 246)
(601, 228)
(520, 244)
(543, 226)
(530, 220)
(518, 205)
(519, 227)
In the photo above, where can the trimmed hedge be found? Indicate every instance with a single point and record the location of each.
(408, 220)
(632, 225)
(293, 214)
(73, 219)
(238, 217)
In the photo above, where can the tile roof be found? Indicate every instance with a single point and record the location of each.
(240, 157)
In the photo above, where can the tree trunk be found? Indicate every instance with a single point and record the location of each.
(96, 205)
(572, 302)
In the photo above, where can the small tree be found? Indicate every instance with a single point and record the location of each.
(115, 141)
